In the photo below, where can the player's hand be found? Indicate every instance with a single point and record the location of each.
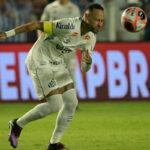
(3, 36)
(87, 58)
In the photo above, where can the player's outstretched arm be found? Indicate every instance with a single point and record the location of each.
(86, 61)
(21, 29)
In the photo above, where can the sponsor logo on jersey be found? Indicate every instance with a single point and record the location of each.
(52, 83)
(74, 33)
(87, 37)
(65, 26)
(63, 49)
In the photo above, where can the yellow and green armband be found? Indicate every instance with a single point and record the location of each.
(48, 27)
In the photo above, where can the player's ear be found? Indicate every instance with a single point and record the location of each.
(86, 16)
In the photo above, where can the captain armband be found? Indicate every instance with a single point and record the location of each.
(48, 27)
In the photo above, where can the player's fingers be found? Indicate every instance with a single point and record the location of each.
(87, 60)
(86, 54)
(86, 51)
(84, 59)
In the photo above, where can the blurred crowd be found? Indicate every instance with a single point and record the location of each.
(17, 12)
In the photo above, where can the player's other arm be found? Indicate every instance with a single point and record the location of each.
(21, 29)
(86, 61)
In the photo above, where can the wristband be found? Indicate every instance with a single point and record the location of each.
(10, 33)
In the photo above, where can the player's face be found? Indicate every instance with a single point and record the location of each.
(96, 20)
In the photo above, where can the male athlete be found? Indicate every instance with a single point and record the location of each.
(48, 70)
(60, 9)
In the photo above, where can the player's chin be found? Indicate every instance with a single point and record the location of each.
(96, 30)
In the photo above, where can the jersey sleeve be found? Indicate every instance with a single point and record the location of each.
(90, 44)
(62, 26)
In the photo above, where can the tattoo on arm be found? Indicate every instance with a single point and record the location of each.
(29, 27)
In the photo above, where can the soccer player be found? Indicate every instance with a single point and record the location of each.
(57, 10)
(48, 70)
(60, 9)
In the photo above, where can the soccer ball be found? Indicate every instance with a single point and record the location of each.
(134, 19)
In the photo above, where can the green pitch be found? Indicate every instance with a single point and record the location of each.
(97, 126)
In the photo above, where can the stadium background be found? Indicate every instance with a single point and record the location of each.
(119, 80)
(115, 73)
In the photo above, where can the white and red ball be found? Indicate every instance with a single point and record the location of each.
(134, 19)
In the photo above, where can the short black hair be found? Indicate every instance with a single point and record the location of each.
(92, 6)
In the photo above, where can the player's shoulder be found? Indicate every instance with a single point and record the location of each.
(70, 20)
(92, 36)
(75, 19)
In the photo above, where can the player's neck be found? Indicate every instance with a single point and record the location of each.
(84, 28)
(63, 2)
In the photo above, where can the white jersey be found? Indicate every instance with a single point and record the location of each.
(55, 11)
(60, 37)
